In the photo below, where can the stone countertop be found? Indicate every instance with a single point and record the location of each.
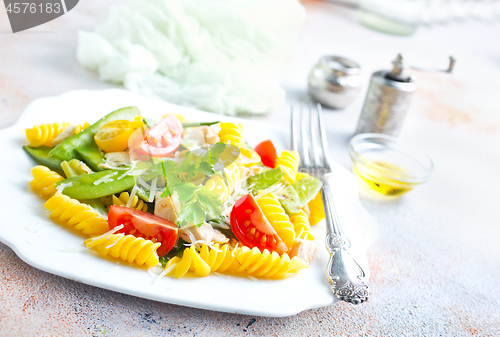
(435, 264)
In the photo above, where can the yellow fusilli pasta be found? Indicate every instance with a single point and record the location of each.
(127, 248)
(43, 134)
(242, 260)
(278, 218)
(316, 209)
(289, 161)
(137, 203)
(217, 184)
(232, 133)
(249, 157)
(301, 225)
(80, 128)
(44, 180)
(75, 214)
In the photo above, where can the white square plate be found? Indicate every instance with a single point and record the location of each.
(27, 229)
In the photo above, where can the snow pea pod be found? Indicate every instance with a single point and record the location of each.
(41, 156)
(91, 156)
(265, 179)
(294, 197)
(307, 188)
(97, 185)
(104, 183)
(75, 168)
(67, 149)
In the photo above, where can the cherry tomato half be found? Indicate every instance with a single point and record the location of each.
(267, 153)
(144, 225)
(113, 136)
(162, 139)
(251, 227)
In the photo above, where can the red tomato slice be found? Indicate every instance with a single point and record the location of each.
(162, 139)
(144, 225)
(267, 153)
(251, 227)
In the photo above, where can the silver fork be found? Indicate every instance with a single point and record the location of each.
(344, 273)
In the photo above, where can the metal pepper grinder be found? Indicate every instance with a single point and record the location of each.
(388, 98)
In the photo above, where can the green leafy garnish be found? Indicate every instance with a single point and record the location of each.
(197, 200)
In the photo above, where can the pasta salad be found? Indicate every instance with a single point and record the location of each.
(191, 197)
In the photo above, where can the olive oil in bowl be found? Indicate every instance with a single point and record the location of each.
(386, 168)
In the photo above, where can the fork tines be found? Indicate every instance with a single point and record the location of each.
(307, 126)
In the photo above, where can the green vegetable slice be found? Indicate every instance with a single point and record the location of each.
(264, 180)
(294, 197)
(92, 157)
(41, 156)
(75, 168)
(88, 186)
(67, 149)
(307, 188)
(289, 199)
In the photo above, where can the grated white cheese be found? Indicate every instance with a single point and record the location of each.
(271, 189)
(131, 197)
(144, 184)
(152, 191)
(251, 278)
(105, 179)
(121, 235)
(31, 230)
(62, 186)
(165, 272)
(301, 231)
(113, 231)
(204, 242)
(112, 269)
(32, 206)
(128, 172)
(236, 246)
(219, 274)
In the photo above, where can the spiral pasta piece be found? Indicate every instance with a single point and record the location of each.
(301, 225)
(249, 157)
(44, 180)
(218, 184)
(232, 133)
(80, 128)
(80, 216)
(289, 161)
(43, 134)
(278, 218)
(242, 260)
(127, 248)
(316, 209)
(137, 203)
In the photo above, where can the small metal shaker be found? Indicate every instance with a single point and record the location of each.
(334, 81)
(387, 100)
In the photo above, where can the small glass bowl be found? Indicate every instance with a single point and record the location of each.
(386, 167)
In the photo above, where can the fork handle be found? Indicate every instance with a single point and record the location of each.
(344, 273)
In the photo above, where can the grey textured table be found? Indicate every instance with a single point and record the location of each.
(435, 266)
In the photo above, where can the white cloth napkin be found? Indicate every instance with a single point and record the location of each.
(194, 52)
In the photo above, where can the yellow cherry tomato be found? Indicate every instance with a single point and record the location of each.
(113, 136)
